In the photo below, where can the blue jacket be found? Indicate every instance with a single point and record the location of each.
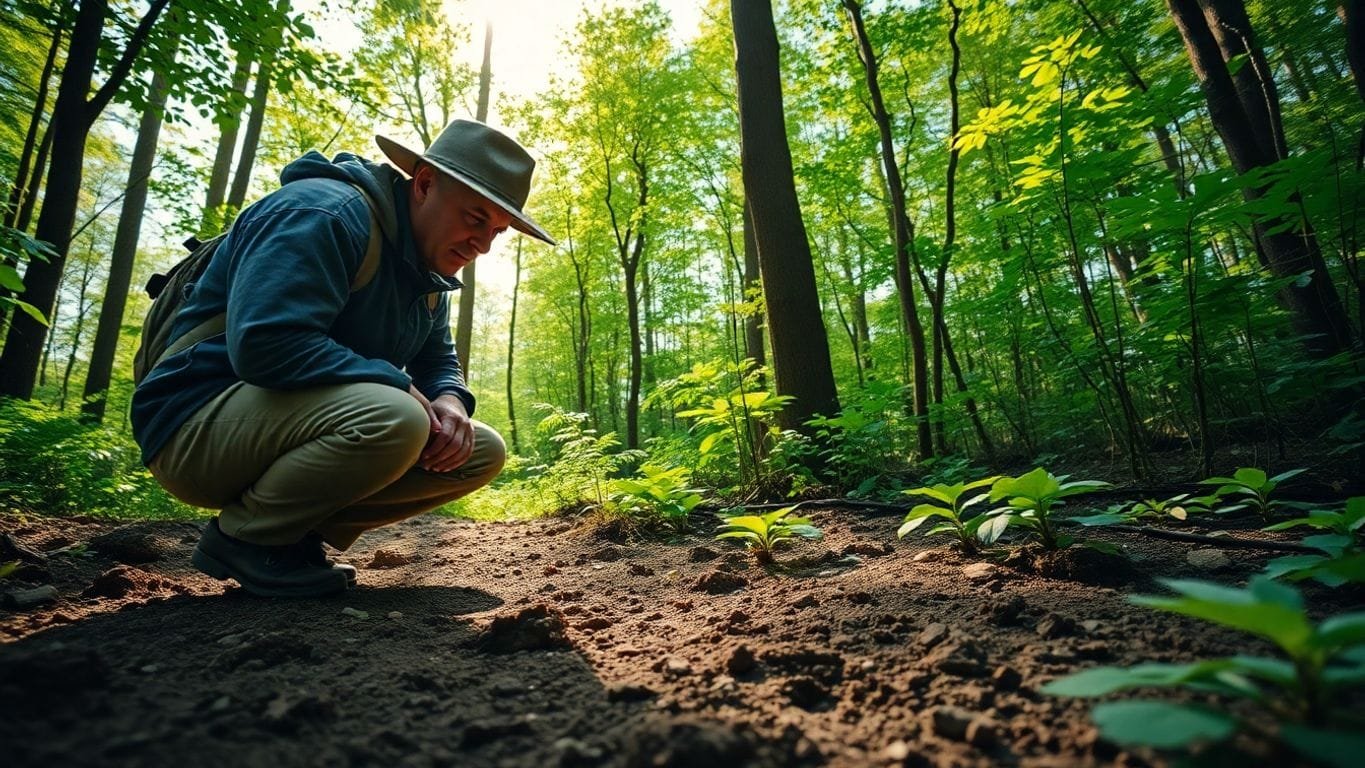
(283, 276)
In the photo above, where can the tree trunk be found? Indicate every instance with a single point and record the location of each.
(511, 350)
(72, 118)
(82, 310)
(464, 324)
(35, 122)
(800, 347)
(35, 180)
(903, 233)
(230, 122)
(1287, 245)
(107, 333)
(753, 288)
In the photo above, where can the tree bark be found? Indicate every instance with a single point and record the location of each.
(73, 115)
(464, 324)
(35, 122)
(260, 97)
(903, 233)
(1287, 246)
(230, 123)
(107, 333)
(800, 346)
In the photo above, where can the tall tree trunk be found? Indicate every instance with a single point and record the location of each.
(82, 310)
(464, 325)
(903, 232)
(107, 333)
(260, 99)
(1252, 136)
(512, 348)
(72, 117)
(35, 122)
(800, 347)
(230, 122)
(35, 180)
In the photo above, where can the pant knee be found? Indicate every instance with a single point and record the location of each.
(392, 418)
(490, 448)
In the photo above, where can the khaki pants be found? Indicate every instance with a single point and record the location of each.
(338, 460)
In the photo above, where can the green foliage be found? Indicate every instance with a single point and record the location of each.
(763, 533)
(586, 460)
(1343, 545)
(1253, 488)
(657, 493)
(860, 443)
(1177, 507)
(54, 464)
(19, 248)
(1030, 503)
(1307, 688)
(950, 504)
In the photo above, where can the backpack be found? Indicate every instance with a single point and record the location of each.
(169, 292)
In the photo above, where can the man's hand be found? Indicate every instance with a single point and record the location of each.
(453, 442)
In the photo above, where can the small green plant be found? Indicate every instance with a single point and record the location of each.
(762, 533)
(952, 503)
(586, 459)
(1176, 507)
(1343, 560)
(1254, 489)
(1305, 689)
(658, 492)
(858, 446)
(1030, 500)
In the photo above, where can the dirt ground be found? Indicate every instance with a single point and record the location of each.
(557, 642)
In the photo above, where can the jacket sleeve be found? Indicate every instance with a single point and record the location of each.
(436, 368)
(290, 274)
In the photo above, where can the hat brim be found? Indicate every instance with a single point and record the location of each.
(406, 160)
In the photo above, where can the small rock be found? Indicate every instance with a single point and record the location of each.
(927, 556)
(1208, 559)
(1095, 650)
(640, 569)
(150, 669)
(806, 601)
(595, 623)
(950, 722)
(607, 554)
(677, 667)
(868, 549)
(1006, 613)
(221, 704)
(629, 692)
(896, 751)
(388, 558)
(932, 635)
(980, 571)
(232, 641)
(1006, 678)
(1053, 626)
(24, 599)
(1090, 625)
(355, 613)
(550, 570)
(741, 660)
(395, 614)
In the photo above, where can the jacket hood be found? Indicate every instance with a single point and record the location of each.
(376, 179)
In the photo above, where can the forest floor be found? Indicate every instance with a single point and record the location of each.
(557, 642)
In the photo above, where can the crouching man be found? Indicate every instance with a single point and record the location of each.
(325, 397)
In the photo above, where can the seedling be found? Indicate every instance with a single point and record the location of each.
(1030, 501)
(762, 533)
(951, 504)
(1176, 507)
(662, 492)
(1344, 547)
(1305, 688)
(1254, 488)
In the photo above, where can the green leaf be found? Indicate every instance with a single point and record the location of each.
(1160, 724)
(1107, 518)
(936, 492)
(805, 531)
(1250, 477)
(1341, 631)
(1277, 479)
(1338, 749)
(1266, 608)
(1334, 544)
(992, 528)
(10, 280)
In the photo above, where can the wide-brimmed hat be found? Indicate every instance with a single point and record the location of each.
(490, 162)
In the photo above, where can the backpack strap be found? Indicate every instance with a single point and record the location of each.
(217, 324)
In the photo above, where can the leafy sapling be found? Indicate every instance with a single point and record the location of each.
(950, 504)
(762, 533)
(1343, 546)
(659, 492)
(1308, 688)
(1253, 488)
(1177, 508)
(1030, 501)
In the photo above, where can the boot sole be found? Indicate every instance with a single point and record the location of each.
(214, 567)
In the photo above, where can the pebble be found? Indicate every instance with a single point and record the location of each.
(355, 613)
(1208, 559)
(928, 555)
(395, 614)
(896, 751)
(676, 666)
(23, 599)
(980, 571)
(932, 635)
(1006, 678)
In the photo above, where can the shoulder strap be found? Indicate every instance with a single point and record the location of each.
(374, 249)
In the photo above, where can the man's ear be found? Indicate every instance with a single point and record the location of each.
(423, 182)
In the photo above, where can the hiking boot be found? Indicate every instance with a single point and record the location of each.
(313, 551)
(263, 570)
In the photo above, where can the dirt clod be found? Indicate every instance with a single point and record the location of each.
(538, 628)
(719, 582)
(125, 581)
(741, 660)
(390, 558)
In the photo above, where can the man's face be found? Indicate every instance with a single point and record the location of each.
(451, 223)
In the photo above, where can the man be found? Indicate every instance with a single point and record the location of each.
(332, 404)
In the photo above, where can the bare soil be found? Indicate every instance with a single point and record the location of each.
(548, 643)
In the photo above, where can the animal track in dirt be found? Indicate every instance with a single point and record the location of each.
(554, 643)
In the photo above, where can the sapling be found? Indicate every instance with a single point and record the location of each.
(1030, 502)
(951, 502)
(1343, 546)
(659, 492)
(1305, 689)
(1254, 489)
(762, 533)
(1177, 508)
